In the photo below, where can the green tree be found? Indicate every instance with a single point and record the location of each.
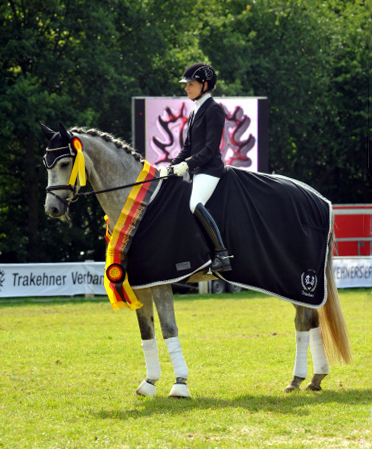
(79, 62)
(46, 70)
(310, 60)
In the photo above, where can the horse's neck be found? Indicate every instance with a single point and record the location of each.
(109, 167)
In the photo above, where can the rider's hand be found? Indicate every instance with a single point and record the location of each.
(163, 172)
(180, 169)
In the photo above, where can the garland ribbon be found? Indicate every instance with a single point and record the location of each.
(116, 280)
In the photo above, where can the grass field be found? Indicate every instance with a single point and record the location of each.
(70, 368)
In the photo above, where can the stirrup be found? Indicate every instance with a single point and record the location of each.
(221, 261)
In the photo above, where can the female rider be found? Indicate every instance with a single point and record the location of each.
(201, 155)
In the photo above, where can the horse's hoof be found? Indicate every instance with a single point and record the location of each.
(291, 388)
(179, 391)
(146, 389)
(313, 387)
(295, 384)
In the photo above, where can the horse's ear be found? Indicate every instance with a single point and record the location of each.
(63, 131)
(47, 131)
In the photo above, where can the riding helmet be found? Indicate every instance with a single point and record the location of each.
(200, 72)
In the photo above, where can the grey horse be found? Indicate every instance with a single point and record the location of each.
(109, 162)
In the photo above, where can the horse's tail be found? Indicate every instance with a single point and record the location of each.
(332, 321)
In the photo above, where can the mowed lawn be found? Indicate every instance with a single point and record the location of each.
(70, 368)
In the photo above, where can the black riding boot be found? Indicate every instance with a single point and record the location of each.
(221, 260)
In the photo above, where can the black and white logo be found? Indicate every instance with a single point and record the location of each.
(208, 73)
(309, 281)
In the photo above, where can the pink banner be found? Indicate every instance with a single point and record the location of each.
(166, 127)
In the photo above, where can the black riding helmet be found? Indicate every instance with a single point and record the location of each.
(200, 72)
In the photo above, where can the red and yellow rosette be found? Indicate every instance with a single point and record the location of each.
(115, 273)
(79, 164)
(116, 281)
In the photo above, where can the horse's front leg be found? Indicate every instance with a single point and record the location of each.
(145, 316)
(308, 334)
(163, 298)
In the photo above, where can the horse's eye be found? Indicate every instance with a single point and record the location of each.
(64, 164)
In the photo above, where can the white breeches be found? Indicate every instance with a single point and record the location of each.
(203, 187)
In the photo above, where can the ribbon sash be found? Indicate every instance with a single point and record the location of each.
(120, 293)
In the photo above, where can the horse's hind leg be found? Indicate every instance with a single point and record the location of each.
(163, 298)
(308, 334)
(145, 316)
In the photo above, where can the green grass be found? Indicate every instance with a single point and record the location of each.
(69, 371)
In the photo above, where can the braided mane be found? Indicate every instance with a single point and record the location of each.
(121, 144)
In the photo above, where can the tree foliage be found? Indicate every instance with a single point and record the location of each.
(81, 62)
(310, 60)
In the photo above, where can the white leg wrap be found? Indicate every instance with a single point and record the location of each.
(302, 344)
(175, 352)
(320, 359)
(150, 349)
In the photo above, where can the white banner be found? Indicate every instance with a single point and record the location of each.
(353, 272)
(52, 279)
(80, 278)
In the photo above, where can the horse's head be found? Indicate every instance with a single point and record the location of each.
(59, 161)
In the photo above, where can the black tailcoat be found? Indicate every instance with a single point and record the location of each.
(201, 150)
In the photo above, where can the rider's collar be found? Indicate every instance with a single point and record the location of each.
(201, 100)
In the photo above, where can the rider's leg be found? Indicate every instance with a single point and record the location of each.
(203, 187)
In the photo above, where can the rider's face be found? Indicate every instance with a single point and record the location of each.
(193, 89)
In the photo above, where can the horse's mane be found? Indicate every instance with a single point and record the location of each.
(111, 139)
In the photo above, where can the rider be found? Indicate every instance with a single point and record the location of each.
(201, 155)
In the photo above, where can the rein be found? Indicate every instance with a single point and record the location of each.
(75, 152)
(77, 195)
(85, 194)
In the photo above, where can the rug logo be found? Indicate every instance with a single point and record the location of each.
(309, 282)
(183, 266)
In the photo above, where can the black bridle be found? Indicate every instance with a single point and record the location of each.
(67, 201)
(76, 195)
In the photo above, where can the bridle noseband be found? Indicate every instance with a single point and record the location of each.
(72, 197)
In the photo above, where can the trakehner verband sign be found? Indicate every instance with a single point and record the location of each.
(70, 279)
(58, 279)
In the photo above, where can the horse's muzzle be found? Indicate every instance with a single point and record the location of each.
(55, 208)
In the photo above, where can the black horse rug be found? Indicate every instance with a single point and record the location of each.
(276, 228)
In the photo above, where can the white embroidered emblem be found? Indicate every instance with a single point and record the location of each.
(309, 281)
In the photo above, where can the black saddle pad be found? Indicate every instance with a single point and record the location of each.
(276, 228)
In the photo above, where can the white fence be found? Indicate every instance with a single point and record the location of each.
(86, 278)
